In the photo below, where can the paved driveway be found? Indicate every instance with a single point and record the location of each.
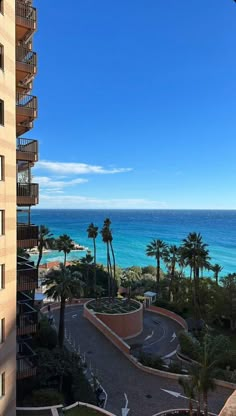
(119, 376)
(159, 336)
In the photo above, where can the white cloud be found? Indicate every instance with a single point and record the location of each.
(76, 201)
(46, 182)
(77, 168)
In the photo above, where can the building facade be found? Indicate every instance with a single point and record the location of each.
(18, 277)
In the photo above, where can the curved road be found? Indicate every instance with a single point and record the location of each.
(118, 376)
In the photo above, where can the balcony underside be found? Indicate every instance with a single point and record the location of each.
(24, 72)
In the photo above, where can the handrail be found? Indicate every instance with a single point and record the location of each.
(26, 145)
(26, 12)
(28, 189)
(27, 101)
(26, 56)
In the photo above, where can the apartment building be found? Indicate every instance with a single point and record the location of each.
(18, 277)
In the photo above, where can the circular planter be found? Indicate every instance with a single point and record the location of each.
(125, 323)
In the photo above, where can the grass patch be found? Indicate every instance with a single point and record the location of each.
(82, 411)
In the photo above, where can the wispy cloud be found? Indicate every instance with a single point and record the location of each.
(77, 201)
(77, 168)
(46, 182)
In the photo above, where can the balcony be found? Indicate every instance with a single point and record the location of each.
(27, 235)
(27, 194)
(26, 150)
(26, 361)
(27, 319)
(26, 21)
(27, 275)
(26, 112)
(26, 66)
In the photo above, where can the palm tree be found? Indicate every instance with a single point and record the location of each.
(216, 268)
(195, 253)
(92, 231)
(210, 351)
(65, 244)
(111, 268)
(86, 261)
(157, 249)
(62, 284)
(44, 236)
(170, 257)
(188, 387)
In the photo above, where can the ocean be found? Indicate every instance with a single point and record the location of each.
(134, 229)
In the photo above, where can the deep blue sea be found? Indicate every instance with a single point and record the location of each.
(134, 229)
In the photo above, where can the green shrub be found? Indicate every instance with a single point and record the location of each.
(175, 367)
(46, 336)
(44, 397)
(151, 360)
(189, 346)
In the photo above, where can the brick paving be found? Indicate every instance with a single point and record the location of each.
(119, 376)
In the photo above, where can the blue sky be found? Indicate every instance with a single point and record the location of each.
(137, 104)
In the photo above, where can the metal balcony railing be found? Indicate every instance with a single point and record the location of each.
(30, 190)
(26, 361)
(26, 57)
(26, 14)
(27, 232)
(27, 275)
(26, 101)
(26, 145)
(27, 318)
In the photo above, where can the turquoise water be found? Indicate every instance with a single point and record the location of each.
(134, 229)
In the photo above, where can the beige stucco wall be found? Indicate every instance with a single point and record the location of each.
(8, 204)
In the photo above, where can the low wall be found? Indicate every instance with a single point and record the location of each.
(102, 327)
(169, 314)
(90, 406)
(125, 325)
(181, 411)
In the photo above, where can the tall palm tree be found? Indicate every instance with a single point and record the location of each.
(107, 224)
(92, 231)
(62, 284)
(65, 244)
(196, 255)
(86, 261)
(157, 249)
(216, 268)
(170, 257)
(106, 236)
(44, 237)
(188, 387)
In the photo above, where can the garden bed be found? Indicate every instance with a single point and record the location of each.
(115, 306)
(82, 411)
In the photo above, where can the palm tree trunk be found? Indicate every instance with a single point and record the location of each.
(61, 323)
(108, 271)
(95, 266)
(40, 249)
(64, 258)
(205, 404)
(190, 407)
(114, 269)
(158, 273)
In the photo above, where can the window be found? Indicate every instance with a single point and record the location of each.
(2, 112)
(1, 56)
(1, 168)
(2, 385)
(2, 330)
(2, 276)
(1, 222)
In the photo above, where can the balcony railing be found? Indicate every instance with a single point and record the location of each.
(27, 235)
(27, 149)
(26, 20)
(26, 361)
(26, 61)
(26, 101)
(27, 275)
(27, 319)
(27, 193)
